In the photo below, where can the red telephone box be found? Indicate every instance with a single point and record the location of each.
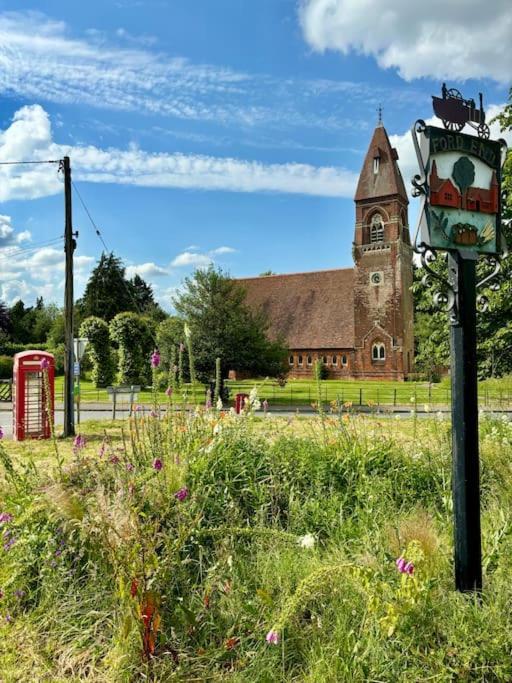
(29, 395)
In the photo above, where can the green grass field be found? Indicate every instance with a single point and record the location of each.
(492, 393)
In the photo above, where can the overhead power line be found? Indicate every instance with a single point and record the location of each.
(21, 163)
(100, 237)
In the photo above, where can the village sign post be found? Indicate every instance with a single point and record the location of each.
(460, 214)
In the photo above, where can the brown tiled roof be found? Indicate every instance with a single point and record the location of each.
(309, 310)
(388, 181)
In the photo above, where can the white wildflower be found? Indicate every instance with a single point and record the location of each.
(307, 541)
(219, 403)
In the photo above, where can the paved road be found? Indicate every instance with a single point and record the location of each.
(103, 411)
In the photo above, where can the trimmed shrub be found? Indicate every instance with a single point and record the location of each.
(97, 332)
(132, 335)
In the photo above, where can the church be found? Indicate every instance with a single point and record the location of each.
(358, 321)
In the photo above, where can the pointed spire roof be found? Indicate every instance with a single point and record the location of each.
(385, 180)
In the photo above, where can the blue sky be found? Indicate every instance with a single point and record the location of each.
(226, 131)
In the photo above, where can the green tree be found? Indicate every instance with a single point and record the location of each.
(132, 335)
(99, 350)
(107, 292)
(223, 326)
(464, 175)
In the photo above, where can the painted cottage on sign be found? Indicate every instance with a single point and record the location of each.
(359, 320)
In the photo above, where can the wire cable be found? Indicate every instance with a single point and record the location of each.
(21, 163)
(100, 237)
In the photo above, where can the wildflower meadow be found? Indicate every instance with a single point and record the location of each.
(207, 546)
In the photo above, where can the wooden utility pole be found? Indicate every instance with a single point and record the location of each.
(69, 248)
(465, 467)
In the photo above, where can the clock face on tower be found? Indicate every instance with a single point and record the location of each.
(376, 278)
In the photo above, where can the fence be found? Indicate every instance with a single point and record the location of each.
(300, 393)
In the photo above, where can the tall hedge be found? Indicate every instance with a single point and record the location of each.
(132, 335)
(99, 350)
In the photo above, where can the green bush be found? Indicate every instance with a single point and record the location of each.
(6, 364)
(132, 336)
(98, 350)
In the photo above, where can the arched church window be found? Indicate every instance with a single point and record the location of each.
(300, 360)
(344, 360)
(290, 360)
(334, 360)
(378, 351)
(310, 360)
(377, 229)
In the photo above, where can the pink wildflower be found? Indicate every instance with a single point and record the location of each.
(181, 494)
(168, 391)
(5, 517)
(44, 364)
(265, 405)
(404, 566)
(129, 467)
(157, 464)
(182, 347)
(272, 637)
(79, 442)
(114, 459)
(155, 358)
(1, 432)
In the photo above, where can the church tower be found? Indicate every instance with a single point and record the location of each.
(383, 302)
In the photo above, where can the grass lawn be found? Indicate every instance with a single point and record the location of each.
(249, 549)
(493, 392)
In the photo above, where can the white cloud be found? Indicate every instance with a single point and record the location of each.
(223, 250)
(8, 236)
(188, 258)
(146, 270)
(460, 40)
(30, 136)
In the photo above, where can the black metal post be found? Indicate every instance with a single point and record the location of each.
(465, 484)
(69, 248)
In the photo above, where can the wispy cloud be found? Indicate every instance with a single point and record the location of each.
(223, 250)
(41, 59)
(30, 136)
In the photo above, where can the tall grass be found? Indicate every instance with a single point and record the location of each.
(124, 571)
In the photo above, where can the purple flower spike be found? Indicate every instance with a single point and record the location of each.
(44, 364)
(79, 442)
(1, 432)
(8, 618)
(168, 391)
(265, 405)
(409, 568)
(155, 359)
(272, 637)
(129, 467)
(5, 517)
(157, 464)
(182, 494)
(400, 564)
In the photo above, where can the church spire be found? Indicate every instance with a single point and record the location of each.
(380, 176)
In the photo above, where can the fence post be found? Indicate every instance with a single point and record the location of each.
(360, 396)
(394, 397)
(378, 397)
(430, 392)
(114, 397)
